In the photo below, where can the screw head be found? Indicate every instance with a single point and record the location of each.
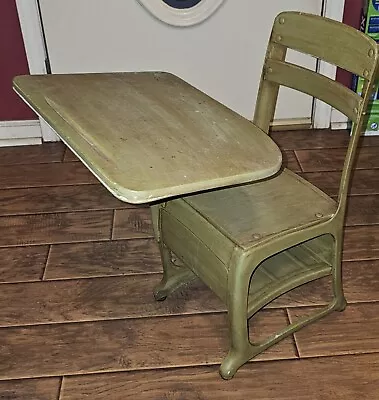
(319, 215)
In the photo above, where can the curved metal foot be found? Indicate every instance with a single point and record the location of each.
(160, 293)
(230, 366)
(235, 359)
(341, 304)
(174, 275)
(173, 278)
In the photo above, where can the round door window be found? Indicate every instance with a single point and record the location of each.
(181, 12)
(180, 4)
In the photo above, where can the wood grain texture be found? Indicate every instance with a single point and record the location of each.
(69, 156)
(242, 212)
(360, 282)
(169, 123)
(57, 199)
(98, 299)
(109, 258)
(290, 161)
(362, 210)
(365, 181)
(30, 389)
(122, 345)
(326, 39)
(310, 139)
(332, 159)
(182, 223)
(22, 264)
(359, 335)
(55, 228)
(329, 378)
(361, 243)
(318, 139)
(329, 183)
(77, 299)
(46, 153)
(369, 141)
(131, 297)
(132, 223)
(40, 175)
(314, 84)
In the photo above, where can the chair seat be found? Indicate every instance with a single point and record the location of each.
(249, 214)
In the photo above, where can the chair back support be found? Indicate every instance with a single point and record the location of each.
(332, 42)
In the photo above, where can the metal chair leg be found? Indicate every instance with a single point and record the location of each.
(339, 297)
(240, 346)
(174, 276)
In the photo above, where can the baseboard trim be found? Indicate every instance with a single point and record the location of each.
(20, 132)
(338, 120)
(291, 124)
(337, 126)
(20, 142)
(48, 133)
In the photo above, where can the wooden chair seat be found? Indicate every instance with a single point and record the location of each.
(208, 227)
(248, 214)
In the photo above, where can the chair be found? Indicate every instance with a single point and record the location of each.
(255, 242)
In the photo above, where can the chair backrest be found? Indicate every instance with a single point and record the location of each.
(332, 42)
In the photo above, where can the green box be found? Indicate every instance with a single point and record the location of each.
(370, 25)
(372, 19)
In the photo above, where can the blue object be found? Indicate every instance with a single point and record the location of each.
(374, 20)
(182, 4)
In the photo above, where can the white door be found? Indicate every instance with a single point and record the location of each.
(222, 56)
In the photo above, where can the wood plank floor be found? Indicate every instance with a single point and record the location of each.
(77, 315)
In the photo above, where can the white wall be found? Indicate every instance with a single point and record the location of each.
(222, 56)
